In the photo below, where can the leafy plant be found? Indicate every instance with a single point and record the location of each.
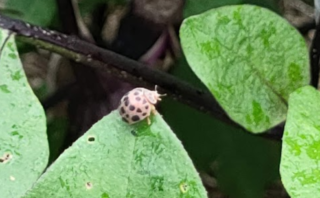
(248, 58)
(245, 62)
(114, 159)
(24, 148)
(300, 151)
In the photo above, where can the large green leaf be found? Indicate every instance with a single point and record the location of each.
(114, 159)
(23, 141)
(300, 170)
(38, 12)
(250, 59)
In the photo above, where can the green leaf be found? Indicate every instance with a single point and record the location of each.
(23, 141)
(38, 12)
(114, 159)
(250, 59)
(299, 168)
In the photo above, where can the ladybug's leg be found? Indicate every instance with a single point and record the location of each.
(148, 120)
(153, 110)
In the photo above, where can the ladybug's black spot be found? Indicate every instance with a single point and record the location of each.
(147, 107)
(138, 98)
(122, 110)
(136, 93)
(135, 118)
(124, 119)
(126, 103)
(139, 110)
(127, 116)
(131, 108)
(144, 101)
(144, 114)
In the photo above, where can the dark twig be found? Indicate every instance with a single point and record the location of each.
(120, 66)
(314, 57)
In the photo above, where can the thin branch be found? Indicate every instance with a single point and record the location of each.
(120, 66)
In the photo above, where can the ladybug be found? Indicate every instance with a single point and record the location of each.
(138, 104)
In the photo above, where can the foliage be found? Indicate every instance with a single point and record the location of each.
(24, 148)
(300, 170)
(247, 57)
(38, 12)
(114, 159)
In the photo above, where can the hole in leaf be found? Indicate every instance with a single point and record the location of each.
(5, 158)
(88, 185)
(184, 187)
(91, 139)
(134, 133)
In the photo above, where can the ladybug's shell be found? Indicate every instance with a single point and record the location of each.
(134, 106)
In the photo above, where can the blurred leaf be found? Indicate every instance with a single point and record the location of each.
(300, 171)
(41, 92)
(250, 59)
(23, 142)
(37, 12)
(193, 7)
(243, 161)
(114, 159)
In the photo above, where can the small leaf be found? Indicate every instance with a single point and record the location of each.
(299, 168)
(114, 159)
(250, 59)
(23, 141)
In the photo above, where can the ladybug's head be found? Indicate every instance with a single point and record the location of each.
(153, 96)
